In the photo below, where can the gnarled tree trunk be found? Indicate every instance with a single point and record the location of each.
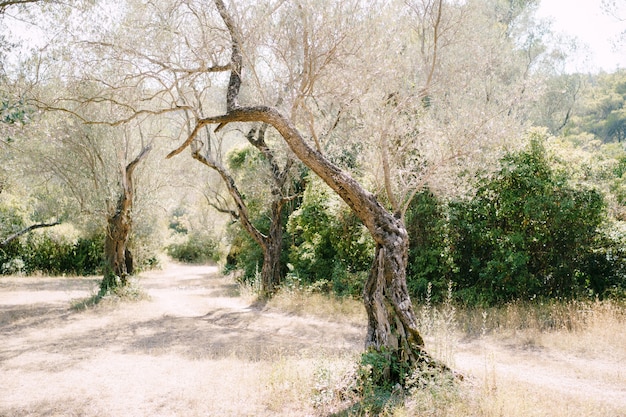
(119, 228)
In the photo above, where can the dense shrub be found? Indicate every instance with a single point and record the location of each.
(430, 260)
(196, 248)
(527, 233)
(329, 243)
(53, 255)
(246, 255)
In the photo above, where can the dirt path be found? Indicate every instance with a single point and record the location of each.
(195, 348)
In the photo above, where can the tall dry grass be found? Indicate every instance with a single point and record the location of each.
(589, 327)
(584, 330)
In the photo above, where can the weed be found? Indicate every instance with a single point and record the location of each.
(438, 324)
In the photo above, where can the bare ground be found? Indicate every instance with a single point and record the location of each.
(195, 348)
(192, 348)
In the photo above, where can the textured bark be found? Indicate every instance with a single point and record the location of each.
(391, 320)
(271, 271)
(119, 228)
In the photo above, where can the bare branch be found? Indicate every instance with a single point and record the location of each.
(5, 4)
(27, 230)
(234, 192)
(119, 122)
(203, 68)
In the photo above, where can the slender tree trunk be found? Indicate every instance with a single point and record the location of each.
(272, 250)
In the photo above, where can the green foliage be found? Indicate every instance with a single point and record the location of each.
(253, 174)
(246, 255)
(430, 261)
(115, 288)
(601, 109)
(178, 222)
(52, 255)
(526, 233)
(326, 248)
(379, 380)
(381, 369)
(14, 111)
(328, 242)
(11, 220)
(197, 248)
(383, 381)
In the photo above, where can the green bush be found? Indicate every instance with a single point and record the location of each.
(87, 255)
(53, 255)
(526, 233)
(197, 248)
(328, 242)
(430, 261)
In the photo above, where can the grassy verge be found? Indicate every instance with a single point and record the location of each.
(547, 335)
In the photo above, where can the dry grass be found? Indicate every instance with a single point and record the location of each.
(525, 359)
(323, 306)
(589, 328)
(529, 359)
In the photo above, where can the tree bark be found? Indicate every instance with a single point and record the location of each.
(271, 270)
(119, 228)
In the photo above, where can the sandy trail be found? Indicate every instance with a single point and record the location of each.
(195, 348)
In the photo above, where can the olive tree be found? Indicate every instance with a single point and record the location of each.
(281, 193)
(392, 324)
(89, 139)
(421, 100)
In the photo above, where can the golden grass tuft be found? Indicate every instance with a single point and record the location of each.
(324, 306)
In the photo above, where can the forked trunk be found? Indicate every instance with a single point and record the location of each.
(118, 259)
(271, 243)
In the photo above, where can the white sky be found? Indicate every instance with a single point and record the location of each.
(585, 20)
